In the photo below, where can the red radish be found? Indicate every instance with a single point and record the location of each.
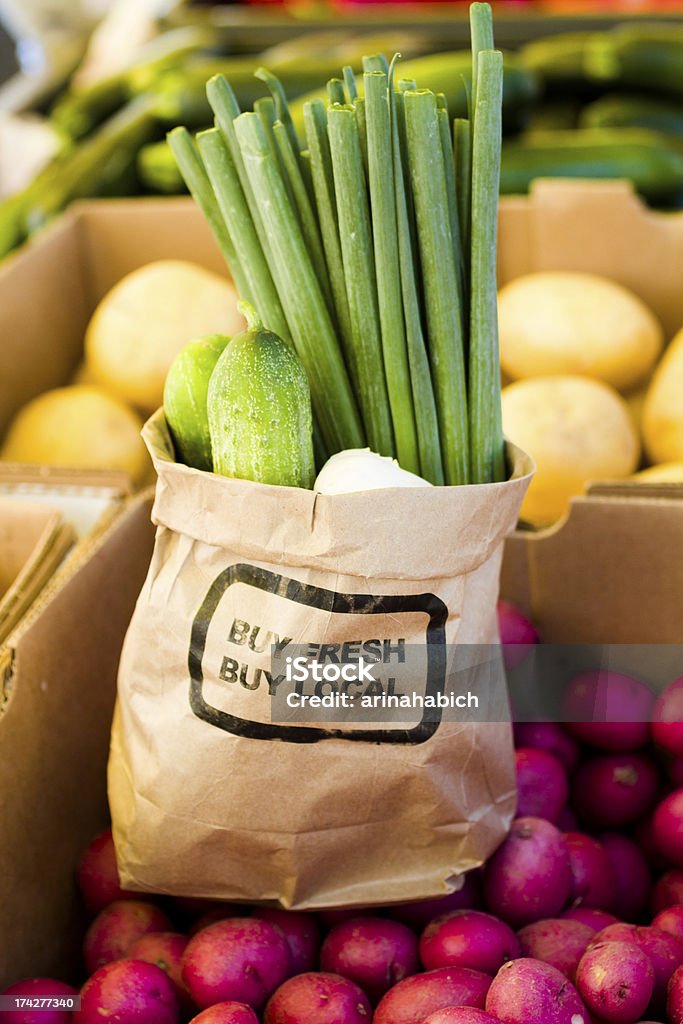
(226, 1013)
(567, 820)
(468, 938)
(302, 933)
(558, 942)
(595, 919)
(609, 710)
(667, 719)
(550, 737)
(667, 827)
(542, 787)
(98, 876)
(667, 890)
(128, 992)
(529, 876)
(614, 789)
(241, 959)
(165, 949)
(670, 920)
(117, 927)
(593, 884)
(373, 952)
(664, 950)
(644, 835)
(461, 1015)
(37, 988)
(630, 874)
(615, 980)
(674, 1004)
(528, 991)
(517, 634)
(323, 998)
(420, 913)
(416, 997)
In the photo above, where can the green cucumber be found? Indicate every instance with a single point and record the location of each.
(259, 410)
(185, 398)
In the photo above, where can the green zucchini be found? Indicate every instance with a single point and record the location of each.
(626, 111)
(259, 410)
(81, 108)
(649, 58)
(180, 96)
(158, 170)
(555, 115)
(185, 398)
(100, 165)
(644, 157)
(559, 63)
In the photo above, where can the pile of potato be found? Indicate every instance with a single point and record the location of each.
(131, 340)
(596, 390)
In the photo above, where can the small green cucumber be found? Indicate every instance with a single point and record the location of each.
(259, 410)
(185, 396)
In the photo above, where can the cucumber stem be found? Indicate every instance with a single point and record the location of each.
(254, 322)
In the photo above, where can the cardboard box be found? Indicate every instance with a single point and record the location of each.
(611, 571)
(57, 685)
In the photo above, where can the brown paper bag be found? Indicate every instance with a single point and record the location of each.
(211, 798)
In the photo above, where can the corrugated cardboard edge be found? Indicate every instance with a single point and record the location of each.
(619, 535)
(50, 546)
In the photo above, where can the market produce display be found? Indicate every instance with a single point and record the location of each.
(354, 347)
(565, 920)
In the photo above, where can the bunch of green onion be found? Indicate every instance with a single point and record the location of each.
(372, 250)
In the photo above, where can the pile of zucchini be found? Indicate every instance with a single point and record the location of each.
(371, 251)
(612, 107)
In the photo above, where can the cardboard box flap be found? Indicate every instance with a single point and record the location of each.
(599, 227)
(33, 542)
(641, 490)
(616, 551)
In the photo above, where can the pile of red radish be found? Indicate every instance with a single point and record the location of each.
(576, 919)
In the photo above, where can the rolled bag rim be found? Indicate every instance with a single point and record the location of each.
(341, 533)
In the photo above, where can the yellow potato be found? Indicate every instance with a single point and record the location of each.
(663, 410)
(576, 430)
(81, 427)
(143, 322)
(666, 473)
(571, 323)
(635, 401)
